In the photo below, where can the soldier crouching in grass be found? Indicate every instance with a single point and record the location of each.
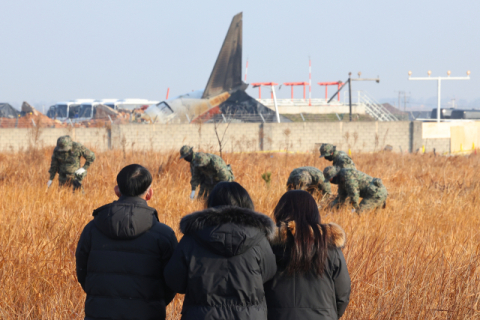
(354, 184)
(207, 170)
(340, 159)
(66, 161)
(309, 179)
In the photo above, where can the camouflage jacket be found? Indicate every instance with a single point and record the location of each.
(66, 164)
(354, 184)
(342, 160)
(209, 169)
(317, 181)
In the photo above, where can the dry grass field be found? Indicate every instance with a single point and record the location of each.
(417, 259)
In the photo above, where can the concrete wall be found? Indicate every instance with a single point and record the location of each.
(440, 145)
(403, 136)
(301, 137)
(358, 136)
(20, 139)
(237, 137)
(326, 109)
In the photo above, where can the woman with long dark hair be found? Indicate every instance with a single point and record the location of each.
(312, 280)
(224, 258)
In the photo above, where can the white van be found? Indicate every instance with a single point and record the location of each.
(88, 109)
(131, 104)
(65, 110)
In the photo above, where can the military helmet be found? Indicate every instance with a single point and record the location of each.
(64, 143)
(200, 159)
(330, 172)
(185, 151)
(326, 149)
(301, 180)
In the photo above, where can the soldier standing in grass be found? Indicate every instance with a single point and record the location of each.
(340, 159)
(207, 170)
(309, 179)
(66, 161)
(354, 184)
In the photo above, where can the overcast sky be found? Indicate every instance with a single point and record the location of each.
(61, 50)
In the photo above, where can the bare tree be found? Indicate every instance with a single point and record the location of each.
(221, 141)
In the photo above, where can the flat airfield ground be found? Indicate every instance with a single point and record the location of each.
(416, 259)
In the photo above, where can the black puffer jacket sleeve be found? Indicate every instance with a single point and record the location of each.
(82, 253)
(168, 248)
(267, 261)
(176, 271)
(342, 282)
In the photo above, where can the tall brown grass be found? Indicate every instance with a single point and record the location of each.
(416, 259)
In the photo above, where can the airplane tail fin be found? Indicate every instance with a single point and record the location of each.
(227, 72)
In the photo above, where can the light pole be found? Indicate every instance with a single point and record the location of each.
(439, 84)
(349, 81)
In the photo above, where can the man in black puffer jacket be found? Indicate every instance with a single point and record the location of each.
(122, 253)
(221, 264)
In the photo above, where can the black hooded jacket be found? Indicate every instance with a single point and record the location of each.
(221, 264)
(308, 296)
(120, 257)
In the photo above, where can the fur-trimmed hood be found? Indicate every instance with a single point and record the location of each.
(227, 230)
(335, 234)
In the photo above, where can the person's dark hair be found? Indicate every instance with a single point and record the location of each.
(309, 248)
(229, 194)
(133, 180)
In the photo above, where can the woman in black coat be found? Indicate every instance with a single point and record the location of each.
(224, 258)
(312, 280)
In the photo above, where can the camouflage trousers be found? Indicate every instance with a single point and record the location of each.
(70, 181)
(204, 190)
(207, 186)
(375, 201)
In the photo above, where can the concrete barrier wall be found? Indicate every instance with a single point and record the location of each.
(237, 137)
(21, 139)
(326, 109)
(357, 136)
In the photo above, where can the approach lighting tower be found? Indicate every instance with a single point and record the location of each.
(260, 84)
(326, 84)
(292, 84)
(439, 84)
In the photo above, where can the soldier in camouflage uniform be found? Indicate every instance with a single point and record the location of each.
(354, 184)
(207, 170)
(310, 179)
(340, 159)
(66, 161)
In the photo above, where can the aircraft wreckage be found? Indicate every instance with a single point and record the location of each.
(224, 96)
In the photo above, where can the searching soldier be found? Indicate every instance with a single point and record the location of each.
(354, 184)
(340, 159)
(309, 179)
(66, 161)
(207, 170)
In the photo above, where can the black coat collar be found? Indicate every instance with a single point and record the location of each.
(220, 215)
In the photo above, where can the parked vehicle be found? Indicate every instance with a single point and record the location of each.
(85, 109)
(444, 113)
(466, 114)
(88, 110)
(65, 110)
(130, 104)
